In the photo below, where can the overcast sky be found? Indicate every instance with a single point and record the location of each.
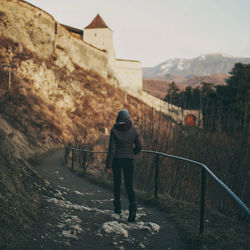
(153, 31)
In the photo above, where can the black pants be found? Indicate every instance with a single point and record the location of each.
(128, 172)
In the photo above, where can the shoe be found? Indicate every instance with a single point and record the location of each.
(132, 212)
(117, 206)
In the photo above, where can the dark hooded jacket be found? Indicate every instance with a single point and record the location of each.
(124, 139)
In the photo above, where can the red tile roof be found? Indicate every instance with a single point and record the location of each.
(97, 23)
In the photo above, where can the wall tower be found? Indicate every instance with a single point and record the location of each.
(99, 35)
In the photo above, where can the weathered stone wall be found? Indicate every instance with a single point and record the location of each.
(101, 38)
(130, 74)
(33, 28)
(28, 26)
(81, 53)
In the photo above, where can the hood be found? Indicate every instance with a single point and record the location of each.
(123, 116)
(123, 122)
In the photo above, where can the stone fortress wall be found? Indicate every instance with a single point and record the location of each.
(129, 74)
(40, 33)
(101, 38)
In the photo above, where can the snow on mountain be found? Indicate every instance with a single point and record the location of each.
(206, 64)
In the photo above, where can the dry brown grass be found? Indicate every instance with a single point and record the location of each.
(19, 197)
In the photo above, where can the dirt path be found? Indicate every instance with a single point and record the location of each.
(78, 215)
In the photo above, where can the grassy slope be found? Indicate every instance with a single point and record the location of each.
(30, 125)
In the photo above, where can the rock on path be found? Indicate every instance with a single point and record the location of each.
(78, 215)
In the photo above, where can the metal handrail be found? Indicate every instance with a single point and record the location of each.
(231, 193)
(204, 169)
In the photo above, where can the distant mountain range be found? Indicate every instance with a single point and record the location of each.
(211, 68)
(203, 65)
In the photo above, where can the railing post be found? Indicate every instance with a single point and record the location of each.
(73, 156)
(66, 154)
(156, 174)
(84, 162)
(203, 198)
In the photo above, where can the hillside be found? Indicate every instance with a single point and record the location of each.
(159, 88)
(61, 90)
(215, 79)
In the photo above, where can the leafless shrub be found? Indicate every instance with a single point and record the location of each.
(226, 155)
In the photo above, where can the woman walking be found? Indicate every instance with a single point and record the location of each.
(124, 144)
